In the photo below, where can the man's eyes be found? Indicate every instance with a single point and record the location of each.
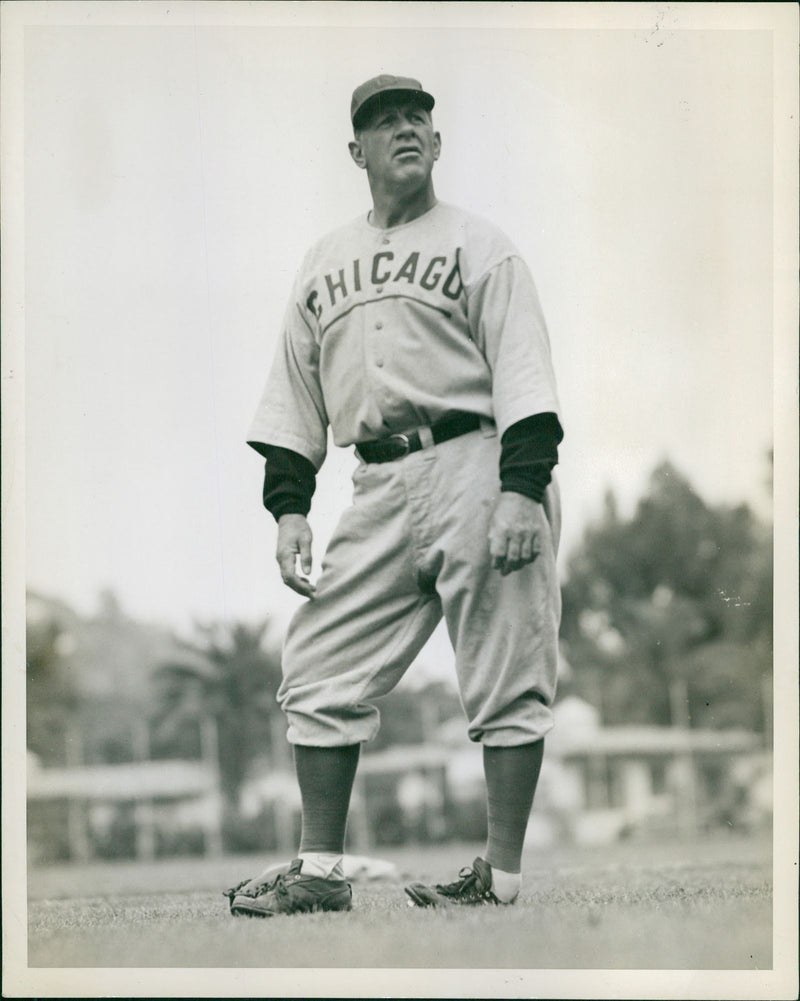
(392, 119)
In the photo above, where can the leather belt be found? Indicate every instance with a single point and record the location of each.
(396, 446)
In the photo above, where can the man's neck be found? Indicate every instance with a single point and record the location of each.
(393, 209)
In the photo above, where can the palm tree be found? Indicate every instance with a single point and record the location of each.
(231, 677)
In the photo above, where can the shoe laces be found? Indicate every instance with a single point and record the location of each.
(253, 891)
(276, 884)
(231, 893)
(468, 886)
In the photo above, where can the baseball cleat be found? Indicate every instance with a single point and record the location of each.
(473, 886)
(289, 892)
(252, 886)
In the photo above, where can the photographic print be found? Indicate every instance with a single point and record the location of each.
(399, 499)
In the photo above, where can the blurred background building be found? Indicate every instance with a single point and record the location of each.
(144, 745)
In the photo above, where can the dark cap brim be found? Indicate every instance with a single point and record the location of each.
(365, 110)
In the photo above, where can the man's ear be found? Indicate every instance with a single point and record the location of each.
(437, 145)
(357, 153)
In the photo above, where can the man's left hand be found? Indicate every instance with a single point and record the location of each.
(513, 532)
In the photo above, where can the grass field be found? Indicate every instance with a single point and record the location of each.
(700, 906)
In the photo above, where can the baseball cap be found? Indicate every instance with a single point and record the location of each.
(384, 84)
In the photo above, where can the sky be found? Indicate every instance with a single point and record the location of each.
(180, 159)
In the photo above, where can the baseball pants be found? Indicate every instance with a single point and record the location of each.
(413, 547)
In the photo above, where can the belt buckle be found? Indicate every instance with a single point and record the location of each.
(402, 441)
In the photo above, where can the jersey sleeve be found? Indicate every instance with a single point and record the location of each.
(507, 324)
(291, 412)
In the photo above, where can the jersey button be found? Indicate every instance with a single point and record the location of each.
(379, 288)
(385, 240)
(379, 325)
(379, 362)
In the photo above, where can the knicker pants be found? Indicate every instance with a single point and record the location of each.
(413, 547)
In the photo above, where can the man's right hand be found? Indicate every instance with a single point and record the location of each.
(294, 539)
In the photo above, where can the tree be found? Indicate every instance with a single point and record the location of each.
(230, 676)
(52, 692)
(668, 614)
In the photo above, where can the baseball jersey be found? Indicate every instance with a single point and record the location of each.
(390, 329)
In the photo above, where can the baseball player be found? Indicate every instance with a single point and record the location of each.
(415, 333)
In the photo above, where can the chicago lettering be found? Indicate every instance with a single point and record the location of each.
(384, 268)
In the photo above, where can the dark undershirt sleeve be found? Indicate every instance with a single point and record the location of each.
(529, 453)
(289, 481)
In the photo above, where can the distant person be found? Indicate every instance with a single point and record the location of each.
(415, 333)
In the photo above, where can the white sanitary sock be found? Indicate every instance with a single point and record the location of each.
(327, 865)
(506, 885)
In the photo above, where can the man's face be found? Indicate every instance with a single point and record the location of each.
(397, 144)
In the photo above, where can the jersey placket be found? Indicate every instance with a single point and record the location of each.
(376, 319)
